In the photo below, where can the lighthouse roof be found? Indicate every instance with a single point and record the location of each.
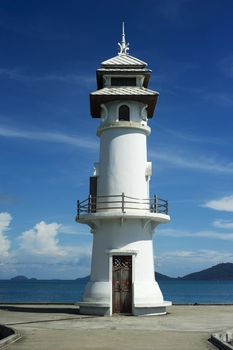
(124, 90)
(133, 93)
(123, 61)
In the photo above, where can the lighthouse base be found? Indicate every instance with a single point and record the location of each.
(151, 310)
(103, 309)
(97, 309)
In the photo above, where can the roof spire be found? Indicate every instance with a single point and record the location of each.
(124, 47)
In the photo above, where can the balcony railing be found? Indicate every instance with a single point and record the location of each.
(121, 203)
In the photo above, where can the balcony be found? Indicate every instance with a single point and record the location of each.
(121, 203)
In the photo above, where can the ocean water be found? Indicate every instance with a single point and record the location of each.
(201, 292)
(179, 292)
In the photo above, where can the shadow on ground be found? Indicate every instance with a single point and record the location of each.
(54, 310)
(5, 332)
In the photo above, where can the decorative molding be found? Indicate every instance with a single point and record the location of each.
(103, 115)
(112, 252)
(144, 113)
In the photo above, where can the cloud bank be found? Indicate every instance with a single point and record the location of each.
(40, 253)
(76, 141)
(5, 220)
(225, 224)
(198, 163)
(42, 240)
(222, 204)
(199, 234)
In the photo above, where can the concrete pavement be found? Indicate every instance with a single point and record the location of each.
(60, 327)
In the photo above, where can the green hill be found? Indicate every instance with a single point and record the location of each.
(161, 277)
(221, 272)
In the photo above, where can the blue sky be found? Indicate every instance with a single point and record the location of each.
(50, 51)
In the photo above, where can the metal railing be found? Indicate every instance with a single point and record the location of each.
(121, 203)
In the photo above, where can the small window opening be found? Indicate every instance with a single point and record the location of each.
(123, 81)
(124, 113)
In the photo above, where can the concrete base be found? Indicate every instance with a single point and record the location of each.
(97, 309)
(151, 310)
(101, 309)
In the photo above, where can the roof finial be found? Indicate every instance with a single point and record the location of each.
(123, 46)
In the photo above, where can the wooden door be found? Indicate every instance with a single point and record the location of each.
(122, 284)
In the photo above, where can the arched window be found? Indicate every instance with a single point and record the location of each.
(124, 113)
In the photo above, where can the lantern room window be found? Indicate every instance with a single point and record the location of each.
(124, 113)
(123, 81)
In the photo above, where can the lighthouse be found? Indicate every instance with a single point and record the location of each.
(120, 211)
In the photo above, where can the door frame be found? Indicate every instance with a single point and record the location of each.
(113, 252)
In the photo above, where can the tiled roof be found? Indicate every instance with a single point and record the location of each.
(120, 69)
(124, 90)
(124, 60)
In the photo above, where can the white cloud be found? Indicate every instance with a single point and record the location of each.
(5, 219)
(73, 230)
(179, 254)
(198, 234)
(221, 98)
(42, 240)
(77, 141)
(198, 163)
(198, 256)
(187, 137)
(17, 74)
(41, 254)
(222, 204)
(226, 224)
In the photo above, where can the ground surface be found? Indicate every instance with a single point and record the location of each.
(61, 327)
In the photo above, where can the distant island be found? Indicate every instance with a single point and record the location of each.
(220, 272)
(23, 278)
(161, 277)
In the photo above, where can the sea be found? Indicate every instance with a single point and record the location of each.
(70, 291)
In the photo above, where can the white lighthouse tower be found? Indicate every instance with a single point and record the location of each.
(120, 211)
